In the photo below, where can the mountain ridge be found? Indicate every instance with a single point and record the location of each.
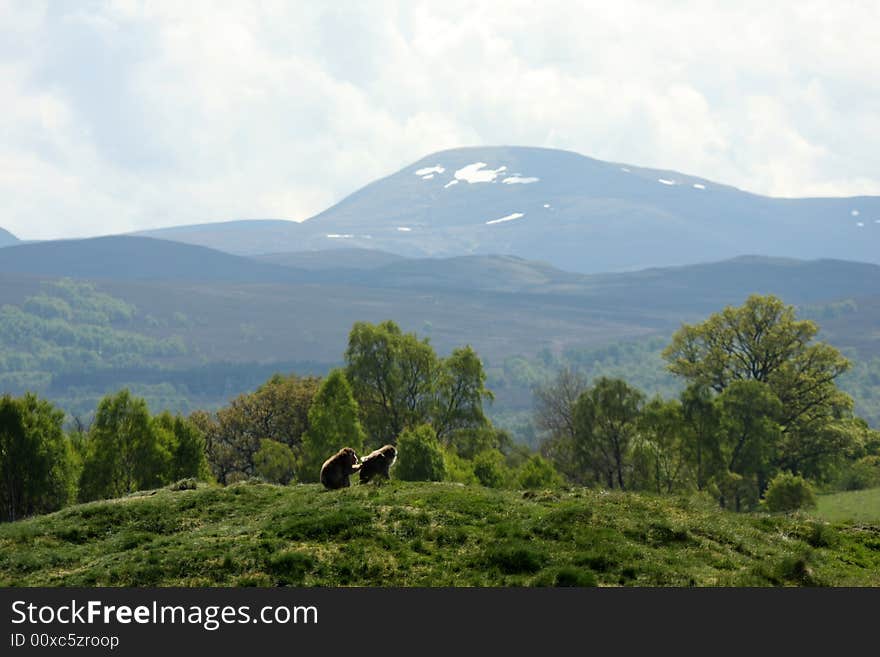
(7, 238)
(575, 212)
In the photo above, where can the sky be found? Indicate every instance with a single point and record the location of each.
(126, 115)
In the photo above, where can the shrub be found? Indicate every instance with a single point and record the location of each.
(184, 484)
(419, 455)
(490, 469)
(570, 576)
(290, 567)
(516, 558)
(538, 472)
(458, 469)
(788, 492)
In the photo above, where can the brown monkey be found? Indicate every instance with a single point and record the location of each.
(377, 463)
(337, 469)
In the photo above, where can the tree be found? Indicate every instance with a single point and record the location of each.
(660, 426)
(606, 417)
(35, 459)
(554, 417)
(124, 452)
(700, 441)
(275, 462)
(419, 455)
(762, 341)
(187, 445)
(392, 375)
(555, 401)
(460, 391)
(277, 410)
(750, 433)
(470, 442)
(333, 424)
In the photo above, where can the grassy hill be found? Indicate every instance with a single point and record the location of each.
(406, 534)
(850, 506)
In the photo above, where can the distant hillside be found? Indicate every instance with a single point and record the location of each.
(573, 212)
(7, 238)
(428, 534)
(243, 237)
(331, 259)
(689, 288)
(248, 311)
(135, 258)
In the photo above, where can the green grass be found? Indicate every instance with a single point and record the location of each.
(851, 506)
(427, 534)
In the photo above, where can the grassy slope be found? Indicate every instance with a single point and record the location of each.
(852, 506)
(426, 535)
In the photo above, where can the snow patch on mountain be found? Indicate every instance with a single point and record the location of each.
(519, 180)
(404, 229)
(510, 217)
(450, 184)
(699, 186)
(475, 173)
(427, 170)
(666, 181)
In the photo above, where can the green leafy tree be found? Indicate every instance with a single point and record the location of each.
(124, 451)
(460, 389)
(750, 432)
(470, 442)
(700, 433)
(333, 424)
(393, 376)
(606, 420)
(275, 462)
(419, 455)
(763, 341)
(36, 474)
(277, 410)
(660, 431)
(187, 446)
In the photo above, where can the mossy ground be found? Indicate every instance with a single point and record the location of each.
(428, 534)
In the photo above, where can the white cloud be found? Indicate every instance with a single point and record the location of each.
(129, 114)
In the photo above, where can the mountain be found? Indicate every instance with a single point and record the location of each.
(125, 258)
(7, 238)
(574, 212)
